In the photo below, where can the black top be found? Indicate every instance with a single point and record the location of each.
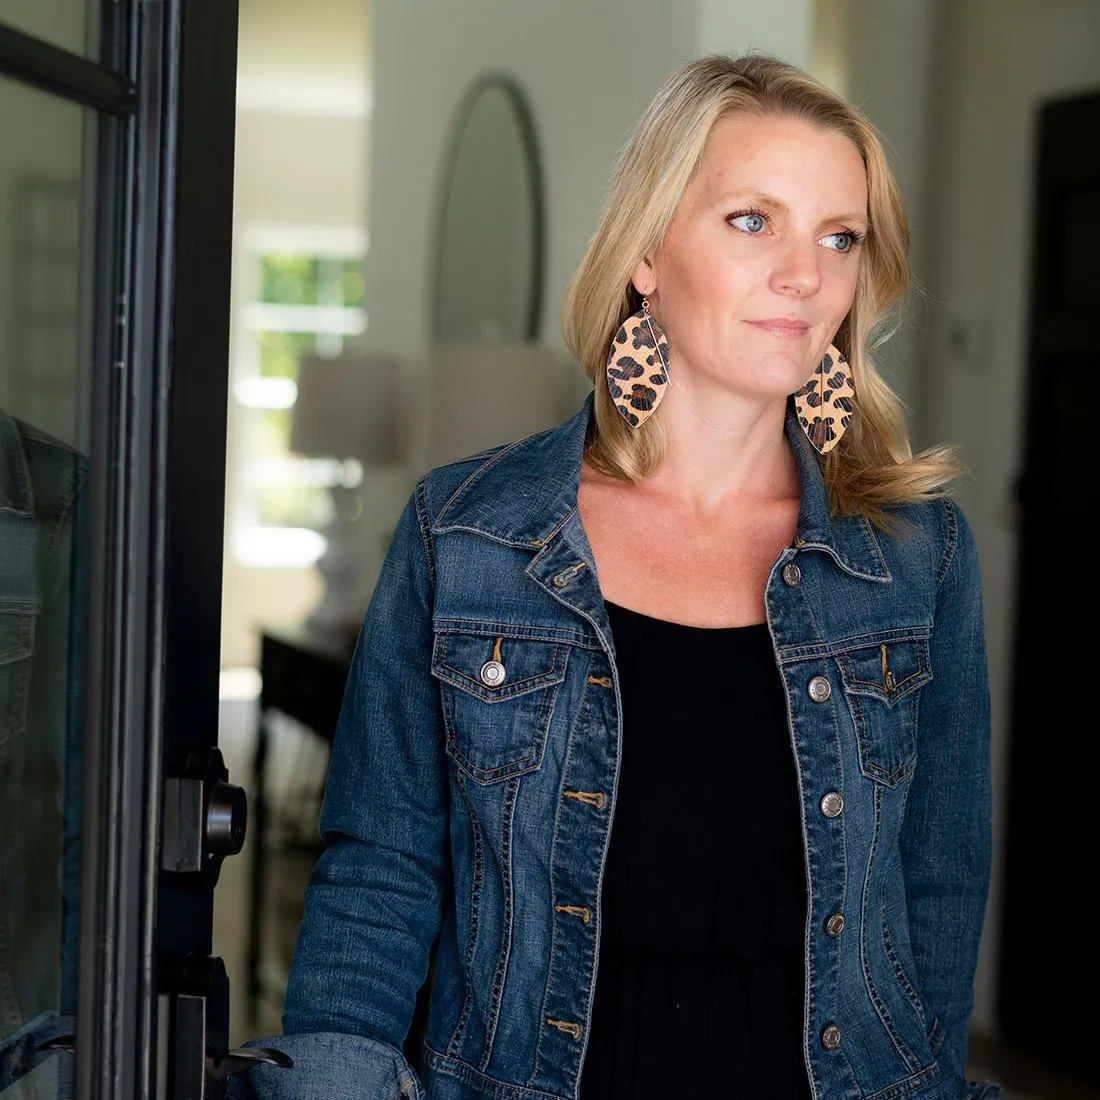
(701, 974)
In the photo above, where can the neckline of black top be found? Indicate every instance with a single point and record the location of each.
(616, 610)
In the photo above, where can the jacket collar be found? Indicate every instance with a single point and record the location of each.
(16, 491)
(526, 492)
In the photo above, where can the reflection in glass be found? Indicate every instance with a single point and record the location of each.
(44, 373)
(70, 24)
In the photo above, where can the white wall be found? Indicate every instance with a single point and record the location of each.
(586, 95)
(782, 27)
(891, 76)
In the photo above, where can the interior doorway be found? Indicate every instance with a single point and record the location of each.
(1048, 971)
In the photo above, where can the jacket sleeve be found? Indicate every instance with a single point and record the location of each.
(946, 833)
(373, 904)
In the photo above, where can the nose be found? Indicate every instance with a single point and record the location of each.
(797, 273)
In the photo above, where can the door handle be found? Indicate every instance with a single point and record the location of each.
(194, 996)
(237, 1061)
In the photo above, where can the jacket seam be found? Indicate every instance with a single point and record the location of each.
(811, 651)
(456, 1067)
(18, 444)
(872, 990)
(520, 631)
(508, 809)
(425, 526)
(472, 477)
(907, 1086)
(873, 539)
(477, 873)
(492, 536)
(899, 971)
(951, 542)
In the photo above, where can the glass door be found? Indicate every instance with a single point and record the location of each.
(116, 811)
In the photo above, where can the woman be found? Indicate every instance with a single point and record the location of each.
(669, 727)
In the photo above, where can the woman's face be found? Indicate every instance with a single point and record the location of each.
(758, 267)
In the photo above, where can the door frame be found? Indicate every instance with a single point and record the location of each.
(163, 91)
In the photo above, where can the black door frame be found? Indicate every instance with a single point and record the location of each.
(164, 92)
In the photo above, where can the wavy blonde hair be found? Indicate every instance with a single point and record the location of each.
(873, 466)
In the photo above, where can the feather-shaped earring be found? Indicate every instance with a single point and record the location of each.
(824, 405)
(637, 367)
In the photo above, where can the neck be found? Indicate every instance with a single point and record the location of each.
(732, 448)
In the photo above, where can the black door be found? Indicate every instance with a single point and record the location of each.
(116, 153)
(1049, 967)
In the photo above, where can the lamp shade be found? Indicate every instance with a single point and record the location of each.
(349, 407)
(482, 394)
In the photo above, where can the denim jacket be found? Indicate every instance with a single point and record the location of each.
(474, 804)
(43, 510)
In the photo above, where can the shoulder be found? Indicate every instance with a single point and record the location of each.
(517, 490)
(57, 470)
(47, 472)
(442, 483)
(934, 534)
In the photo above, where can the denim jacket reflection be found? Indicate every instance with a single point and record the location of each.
(43, 519)
(474, 803)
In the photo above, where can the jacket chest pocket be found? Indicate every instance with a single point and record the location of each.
(498, 695)
(882, 684)
(16, 646)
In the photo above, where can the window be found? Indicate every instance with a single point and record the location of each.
(300, 291)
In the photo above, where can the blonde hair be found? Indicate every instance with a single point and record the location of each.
(873, 466)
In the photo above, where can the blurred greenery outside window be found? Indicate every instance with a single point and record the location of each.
(300, 302)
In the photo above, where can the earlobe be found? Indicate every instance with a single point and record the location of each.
(643, 277)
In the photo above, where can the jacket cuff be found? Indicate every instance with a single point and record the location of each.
(983, 1090)
(328, 1064)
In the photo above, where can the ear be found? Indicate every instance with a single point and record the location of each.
(644, 277)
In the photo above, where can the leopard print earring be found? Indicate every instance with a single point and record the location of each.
(637, 367)
(829, 391)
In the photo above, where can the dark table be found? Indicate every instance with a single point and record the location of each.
(303, 674)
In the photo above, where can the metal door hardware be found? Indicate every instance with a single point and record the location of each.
(195, 998)
(204, 816)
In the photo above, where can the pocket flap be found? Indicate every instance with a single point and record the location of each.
(888, 671)
(500, 667)
(16, 635)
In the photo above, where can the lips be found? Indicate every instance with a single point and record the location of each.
(788, 328)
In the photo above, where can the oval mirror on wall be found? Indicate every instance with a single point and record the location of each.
(488, 248)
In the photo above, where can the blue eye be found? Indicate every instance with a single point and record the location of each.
(841, 242)
(751, 222)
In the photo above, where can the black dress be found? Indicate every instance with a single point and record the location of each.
(700, 984)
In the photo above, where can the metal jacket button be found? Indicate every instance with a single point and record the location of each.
(820, 689)
(832, 804)
(791, 574)
(834, 925)
(493, 674)
(830, 1037)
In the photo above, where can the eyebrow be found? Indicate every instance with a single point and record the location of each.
(759, 197)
